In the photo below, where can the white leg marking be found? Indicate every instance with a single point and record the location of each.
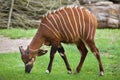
(61, 54)
(69, 72)
(101, 73)
(47, 71)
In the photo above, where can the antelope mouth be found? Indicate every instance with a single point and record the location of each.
(28, 68)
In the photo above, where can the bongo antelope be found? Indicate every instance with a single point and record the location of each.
(71, 25)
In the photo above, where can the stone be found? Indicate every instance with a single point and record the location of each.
(107, 14)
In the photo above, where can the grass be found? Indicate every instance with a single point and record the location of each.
(17, 33)
(108, 42)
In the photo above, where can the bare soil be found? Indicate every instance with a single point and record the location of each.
(12, 45)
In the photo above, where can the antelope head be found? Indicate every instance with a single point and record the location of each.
(28, 56)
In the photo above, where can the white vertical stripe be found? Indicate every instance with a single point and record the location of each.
(70, 22)
(66, 25)
(77, 33)
(88, 26)
(92, 27)
(50, 30)
(55, 21)
(83, 31)
(80, 25)
(62, 27)
(53, 26)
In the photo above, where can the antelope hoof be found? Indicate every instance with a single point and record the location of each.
(69, 72)
(101, 73)
(47, 71)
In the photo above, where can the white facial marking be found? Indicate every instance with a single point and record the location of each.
(33, 59)
(47, 71)
(30, 62)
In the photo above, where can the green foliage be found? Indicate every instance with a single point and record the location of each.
(108, 41)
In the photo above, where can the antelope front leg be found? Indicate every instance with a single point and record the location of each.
(62, 54)
(52, 53)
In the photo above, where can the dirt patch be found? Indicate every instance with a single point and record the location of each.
(12, 45)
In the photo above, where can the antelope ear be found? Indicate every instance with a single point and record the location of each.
(21, 50)
(41, 52)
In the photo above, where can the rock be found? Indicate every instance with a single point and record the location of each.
(107, 14)
(104, 3)
(115, 1)
(113, 23)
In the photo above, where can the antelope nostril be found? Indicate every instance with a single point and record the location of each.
(27, 71)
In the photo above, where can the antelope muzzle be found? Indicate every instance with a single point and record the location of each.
(28, 68)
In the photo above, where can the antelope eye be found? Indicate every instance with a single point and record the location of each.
(30, 59)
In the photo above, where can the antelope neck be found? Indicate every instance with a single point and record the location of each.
(36, 42)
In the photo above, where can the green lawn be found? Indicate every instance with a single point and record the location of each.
(17, 33)
(107, 40)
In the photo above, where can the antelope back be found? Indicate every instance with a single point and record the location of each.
(69, 24)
